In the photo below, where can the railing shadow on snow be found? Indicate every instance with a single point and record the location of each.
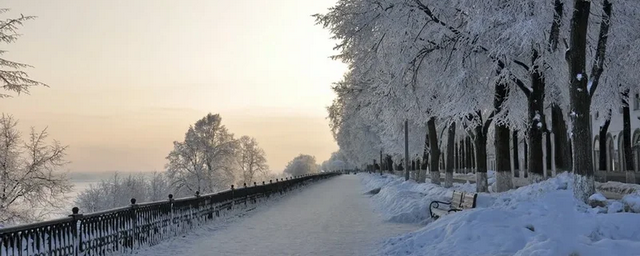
(131, 227)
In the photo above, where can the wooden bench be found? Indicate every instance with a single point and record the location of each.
(459, 201)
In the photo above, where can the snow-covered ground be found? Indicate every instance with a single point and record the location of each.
(406, 201)
(332, 217)
(539, 219)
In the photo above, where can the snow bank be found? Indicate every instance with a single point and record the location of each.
(632, 202)
(406, 201)
(539, 219)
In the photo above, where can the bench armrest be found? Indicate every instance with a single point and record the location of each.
(436, 204)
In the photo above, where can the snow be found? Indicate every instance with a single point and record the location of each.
(538, 219)
(579, 76)
(615, 207)
(598, 197)
(406, 201)
(332, 217)
(632, 202)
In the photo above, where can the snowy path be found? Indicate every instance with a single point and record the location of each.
(332, 217)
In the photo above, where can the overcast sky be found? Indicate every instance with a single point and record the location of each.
(127, 78)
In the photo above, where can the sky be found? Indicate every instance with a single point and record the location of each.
(127, 78)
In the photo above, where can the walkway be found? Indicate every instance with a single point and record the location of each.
(332, 217)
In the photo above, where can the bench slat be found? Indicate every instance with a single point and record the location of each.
(459, 201)
(439, 212)
(456, 199)
(469, 201)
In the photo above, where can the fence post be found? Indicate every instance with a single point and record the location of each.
(199, 218)
(171, 224)
(76, 232)
(246, 195)
(134, 223)
(233, 201)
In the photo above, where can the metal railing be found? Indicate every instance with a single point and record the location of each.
(131, 227)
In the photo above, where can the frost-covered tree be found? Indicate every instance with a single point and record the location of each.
(336, 162)
(392, 47)
(159, 187)
(351, 124)
(251, 160)
(117, 191)
(588, 56)
(205, 160)
(12, 77)
(481, 63)
(302, 164)
(32, 183)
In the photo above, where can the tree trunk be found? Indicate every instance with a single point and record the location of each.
(406, 149)
(584, 182)
(536, 123)
(626, 133)
(516, 160)
(503, 158)
(381, 168)
(435, 153)
(456, 166)
(549, 149)
(461, 156)
(526, 157)
(413, 169)
(561, 140)
(602, 162)
(425, 157)
(472, 153)
(481, 159)
(502, 134)
(451, 140)
(559, 129)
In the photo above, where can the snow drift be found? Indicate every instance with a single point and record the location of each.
(406, 201)
(539, 219)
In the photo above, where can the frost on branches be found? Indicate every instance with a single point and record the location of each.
(301, 165)
(31, 182)
(117, 192)
(12, 77)
(337, 162)
(207, 161)
(204, 161)
(480, 64)
(251, 159)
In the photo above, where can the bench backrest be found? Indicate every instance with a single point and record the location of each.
(456, 200)
(469, 200)
(462, 200)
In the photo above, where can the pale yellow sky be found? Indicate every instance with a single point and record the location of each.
(128, 77)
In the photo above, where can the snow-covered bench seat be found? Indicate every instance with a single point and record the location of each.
(459, 201)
